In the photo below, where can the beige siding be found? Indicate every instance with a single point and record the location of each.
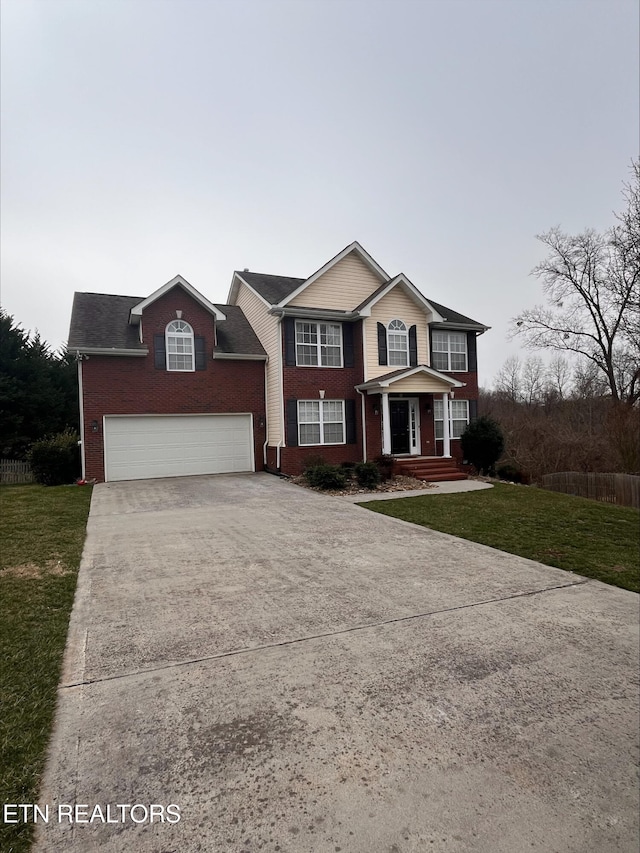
(267, 329)
(343, 287)
(418, 384)
(396, 305)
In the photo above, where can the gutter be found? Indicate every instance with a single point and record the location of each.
(233, 356)
(316, 314)
(110, 351)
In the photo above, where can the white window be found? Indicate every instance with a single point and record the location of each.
(318, 344)
(398, 344)
(458, 420)
(449, 350)
(321, 422)
(179, 337)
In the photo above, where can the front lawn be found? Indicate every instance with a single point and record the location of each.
(594, 539)
(42, 532)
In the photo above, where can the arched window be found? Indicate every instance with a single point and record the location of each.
(179, 337)
(398, 344)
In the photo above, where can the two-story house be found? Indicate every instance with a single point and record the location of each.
(346, 364)
(360, 364)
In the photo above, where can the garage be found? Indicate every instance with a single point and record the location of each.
(147, 446)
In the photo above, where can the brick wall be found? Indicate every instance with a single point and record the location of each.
(116, 385)
(304, 383)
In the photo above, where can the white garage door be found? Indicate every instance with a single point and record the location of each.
(137, 448)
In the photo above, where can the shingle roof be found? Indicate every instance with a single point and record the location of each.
(101, 321)
(451, 316)
(235, 334)
(273, 288)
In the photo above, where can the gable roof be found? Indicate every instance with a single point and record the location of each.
(177, 281)
(278, 290)
(100, 323)
(355, 247)
(403, 372)
(400, 280)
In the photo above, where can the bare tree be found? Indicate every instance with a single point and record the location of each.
(592, 284)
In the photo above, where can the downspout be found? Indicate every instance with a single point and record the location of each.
(81, 407)
(364, 426)
(266, 423)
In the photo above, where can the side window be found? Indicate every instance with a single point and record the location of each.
(179, 346)
(449, 351)
(459, 412)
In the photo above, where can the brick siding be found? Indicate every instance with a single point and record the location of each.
(115, 385)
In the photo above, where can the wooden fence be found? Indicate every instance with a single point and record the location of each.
(622, 489)
(15, 471)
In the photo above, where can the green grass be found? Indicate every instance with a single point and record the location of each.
(594, 539)
(42, 532)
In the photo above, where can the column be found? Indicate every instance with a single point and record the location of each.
(386, 424)
(445, 426)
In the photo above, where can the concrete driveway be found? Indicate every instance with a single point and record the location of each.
(299, 674)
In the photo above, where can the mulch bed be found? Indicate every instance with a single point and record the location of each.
(395, 484)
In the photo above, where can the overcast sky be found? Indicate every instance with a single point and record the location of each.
(146, 138)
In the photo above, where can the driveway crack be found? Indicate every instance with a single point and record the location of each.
(322, 635)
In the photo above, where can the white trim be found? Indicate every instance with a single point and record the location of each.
(363, 415)
(177, 415)
(448, 351)
(450, 419)
(386, 425)
(405, 333)
(446, 426)
(190, 335)
(413, 407)
(81, 406)
(137, 310)
(373, 385)
(233, 291)
(365, 360)
(320, 422)
(318, 344)
(352, 247)
(413, 291)
(282, 441)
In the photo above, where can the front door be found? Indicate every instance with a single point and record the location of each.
(399, 411)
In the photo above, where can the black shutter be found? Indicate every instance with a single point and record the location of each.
(350, 418)
(413, 347)
(347, 344)
(473, 410)
(201, 357)
(160, 354)
(289, 341)
(292, 423)
(382, 344)
(472, 352)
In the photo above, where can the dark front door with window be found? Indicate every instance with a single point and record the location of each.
(399, 411)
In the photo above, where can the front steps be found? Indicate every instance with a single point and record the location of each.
(434, 469)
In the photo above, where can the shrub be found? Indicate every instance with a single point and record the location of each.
(55, 461)
(367, 474)
(510, 473)
(385, 466)
(325, 476)
(482, 443)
